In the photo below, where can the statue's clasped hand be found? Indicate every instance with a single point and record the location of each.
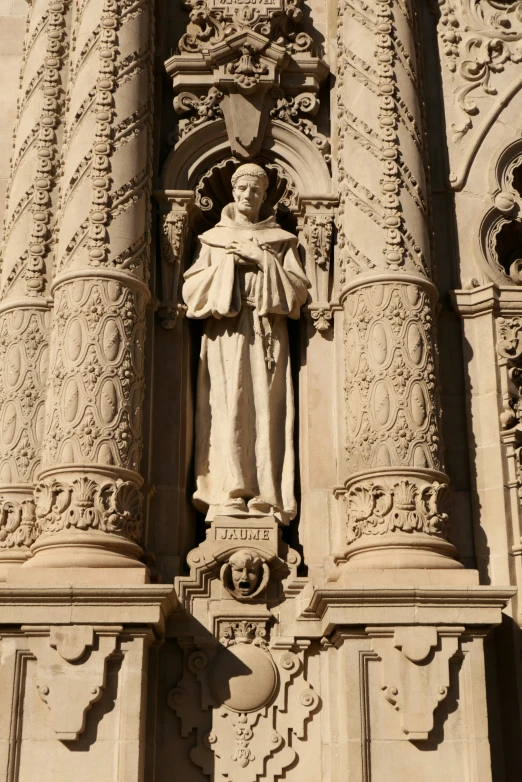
(247, 252)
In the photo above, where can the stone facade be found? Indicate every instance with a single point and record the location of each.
(340, 600)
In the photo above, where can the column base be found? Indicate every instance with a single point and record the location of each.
(84, 550)
(398, 551)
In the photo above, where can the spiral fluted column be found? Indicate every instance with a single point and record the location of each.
(88, 500)
(396, 492)
(26, 268)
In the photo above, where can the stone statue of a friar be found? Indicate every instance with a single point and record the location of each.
(246, 281)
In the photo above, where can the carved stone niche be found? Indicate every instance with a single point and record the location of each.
(231, 59)
(186, 213)
(501, 228)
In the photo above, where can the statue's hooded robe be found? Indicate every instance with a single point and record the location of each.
(245, 404)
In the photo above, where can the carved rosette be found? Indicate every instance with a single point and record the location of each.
(88, 499)
(396, 496)
(26, 254)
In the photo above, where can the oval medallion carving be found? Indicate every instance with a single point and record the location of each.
(113, 290)
(354, 409)
(17, 319)
(418, 404)
(415, 344)
(243, 677)
(73, 342)
(43, 365)
(9, 422)
(39, 423)
(108, 401)
(381, 403)
(352, 353)
(379, 344)
(77, 289)
(71, 397)
(13, 366)
(111, 340)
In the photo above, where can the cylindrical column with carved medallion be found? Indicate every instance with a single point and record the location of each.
(88, 500)
(26, 268)
(395, 488)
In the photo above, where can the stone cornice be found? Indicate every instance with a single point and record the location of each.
(332, 607)
(148, 604)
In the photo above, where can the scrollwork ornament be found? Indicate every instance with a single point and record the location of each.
(209, 26)
(205, 109)
(480, 38)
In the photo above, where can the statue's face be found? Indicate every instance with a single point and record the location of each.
(245, 576)
(249, 194)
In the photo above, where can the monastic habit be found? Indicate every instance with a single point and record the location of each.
(245, 404)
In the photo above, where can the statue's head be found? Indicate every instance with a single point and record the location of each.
(249, 186)
(245, 572)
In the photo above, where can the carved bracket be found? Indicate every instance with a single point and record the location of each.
(415, 674)
(176, 207)
(71, 668)
(316, 227)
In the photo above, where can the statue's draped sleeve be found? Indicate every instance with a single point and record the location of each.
(212, 286)
(281, 288)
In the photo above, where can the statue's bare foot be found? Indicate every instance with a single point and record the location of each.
(259, 505)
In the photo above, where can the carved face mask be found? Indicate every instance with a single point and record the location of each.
(245, 576)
